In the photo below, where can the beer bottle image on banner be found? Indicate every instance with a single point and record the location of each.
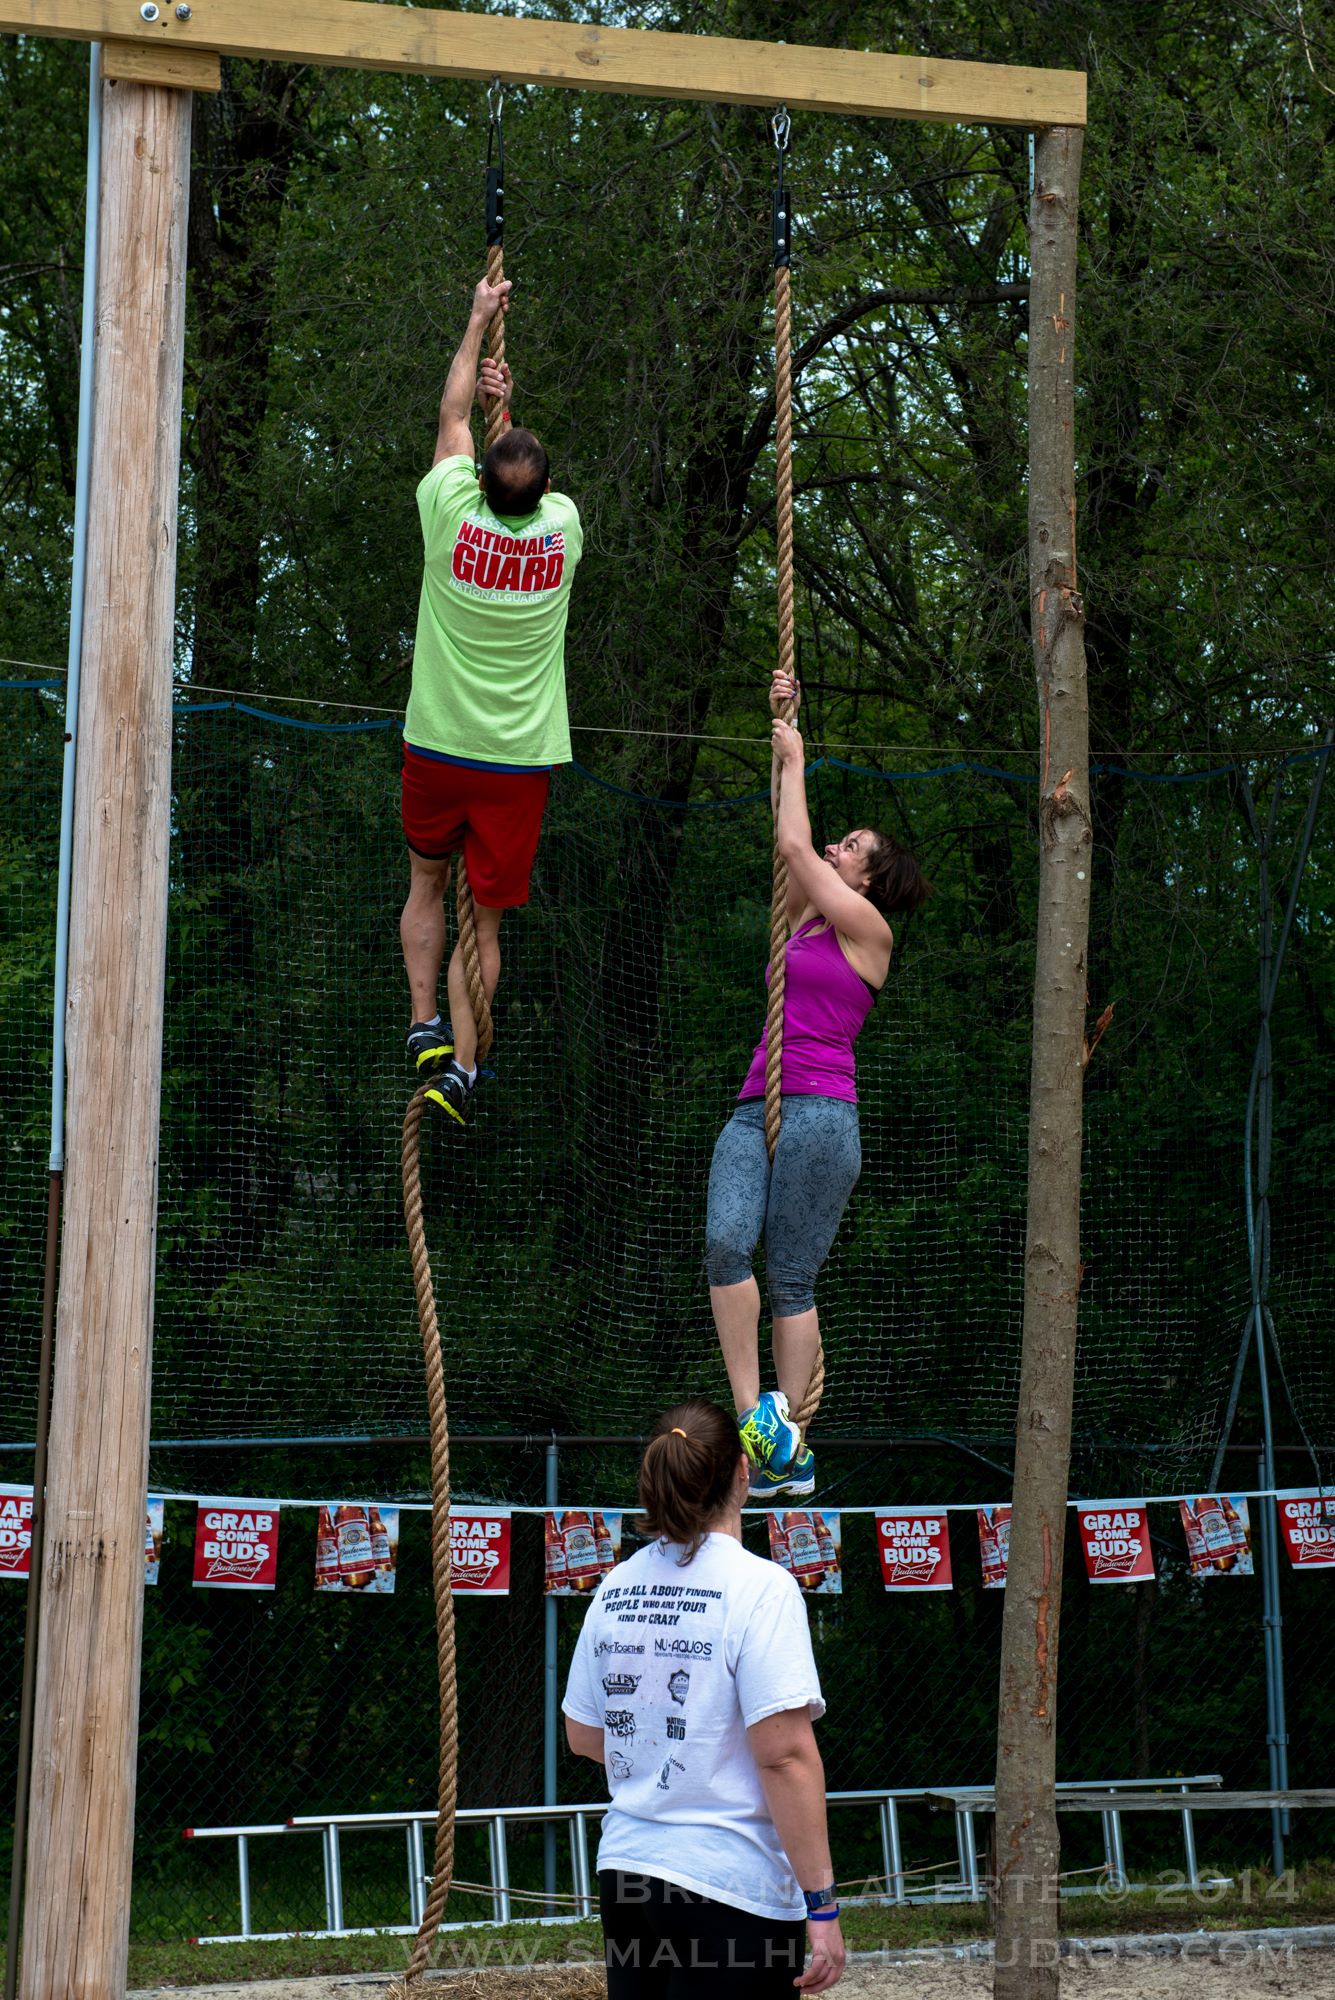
(804, 1557)
(607, 1555)
(1198, 1559)
(380, 1549)
(994, 1574)
(778, 1543)
(1239, 1525)
(326, 1553)
(554, 1583)
(1215, 1531)
(356, 1558)
(582, 1566)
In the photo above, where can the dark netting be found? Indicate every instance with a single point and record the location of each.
(566, 1231)
(29, 849)
(255, 1709)
(567, 1228)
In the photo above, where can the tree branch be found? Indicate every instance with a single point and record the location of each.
(876, 301)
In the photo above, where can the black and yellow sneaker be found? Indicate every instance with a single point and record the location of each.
(451, 1092)
(429, 1049)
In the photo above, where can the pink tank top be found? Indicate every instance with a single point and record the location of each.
(824, 1005)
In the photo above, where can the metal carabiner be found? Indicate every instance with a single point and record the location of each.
(495, 131)
(781, 126)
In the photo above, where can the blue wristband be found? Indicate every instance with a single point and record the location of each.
(822, 1916)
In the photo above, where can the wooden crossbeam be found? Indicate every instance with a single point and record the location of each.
(428, 41)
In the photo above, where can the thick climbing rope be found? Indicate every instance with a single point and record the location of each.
(442, 1581)
(780, 126)
(442, 1869)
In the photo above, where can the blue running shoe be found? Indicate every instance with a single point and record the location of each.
(798, 1483)
(769, 1439)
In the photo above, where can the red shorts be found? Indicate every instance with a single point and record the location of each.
(494, 816)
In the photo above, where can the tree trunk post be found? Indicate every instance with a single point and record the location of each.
(76, 1929)
(1026, 1886)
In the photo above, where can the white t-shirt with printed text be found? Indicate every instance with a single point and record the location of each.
(674, 1663)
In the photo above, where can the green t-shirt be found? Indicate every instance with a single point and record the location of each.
(489, 661)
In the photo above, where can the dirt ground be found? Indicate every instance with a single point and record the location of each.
(1197, 1968)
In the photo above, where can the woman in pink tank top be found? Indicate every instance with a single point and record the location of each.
(839, 901)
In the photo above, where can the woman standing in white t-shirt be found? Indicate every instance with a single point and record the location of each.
(693, 1683)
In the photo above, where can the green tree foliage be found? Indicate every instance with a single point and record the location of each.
(336, 231)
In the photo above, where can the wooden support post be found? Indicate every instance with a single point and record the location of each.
(1025, 1893)
(76, 1928)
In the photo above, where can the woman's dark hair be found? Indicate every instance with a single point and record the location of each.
(896, 883)
(685, 1481)
(514, 473)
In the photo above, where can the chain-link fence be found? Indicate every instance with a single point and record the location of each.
(258, 1708)
(568, 1258)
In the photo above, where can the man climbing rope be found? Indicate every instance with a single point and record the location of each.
(486, 717)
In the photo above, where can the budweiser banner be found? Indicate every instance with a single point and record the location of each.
(915, 1548)
(153, 1530)
(236, 1544)
(356, 1547)
(1308, 1522)
(994, 1545)
(806, 1542)
(1218, 1533)
(1114, 1535)
(581, 1546)
(15, 1530)
(480, 1552)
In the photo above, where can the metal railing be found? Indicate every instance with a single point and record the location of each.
(965, 1802)
(331, 1826)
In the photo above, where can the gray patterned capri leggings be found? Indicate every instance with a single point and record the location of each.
(797, 1203)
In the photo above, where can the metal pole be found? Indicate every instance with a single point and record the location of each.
(890, 1852)
(74, 655)
(964, 1842)
(60, 984)
(1189, 1846)
(579, 1861)
(1258, 1203)
(1258, 1143)
(1259, 1092)
(335, 1881)
(243, 1878)
(416, 1874)
(551, 1703)
(1276, 1732)
(500, 1870)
